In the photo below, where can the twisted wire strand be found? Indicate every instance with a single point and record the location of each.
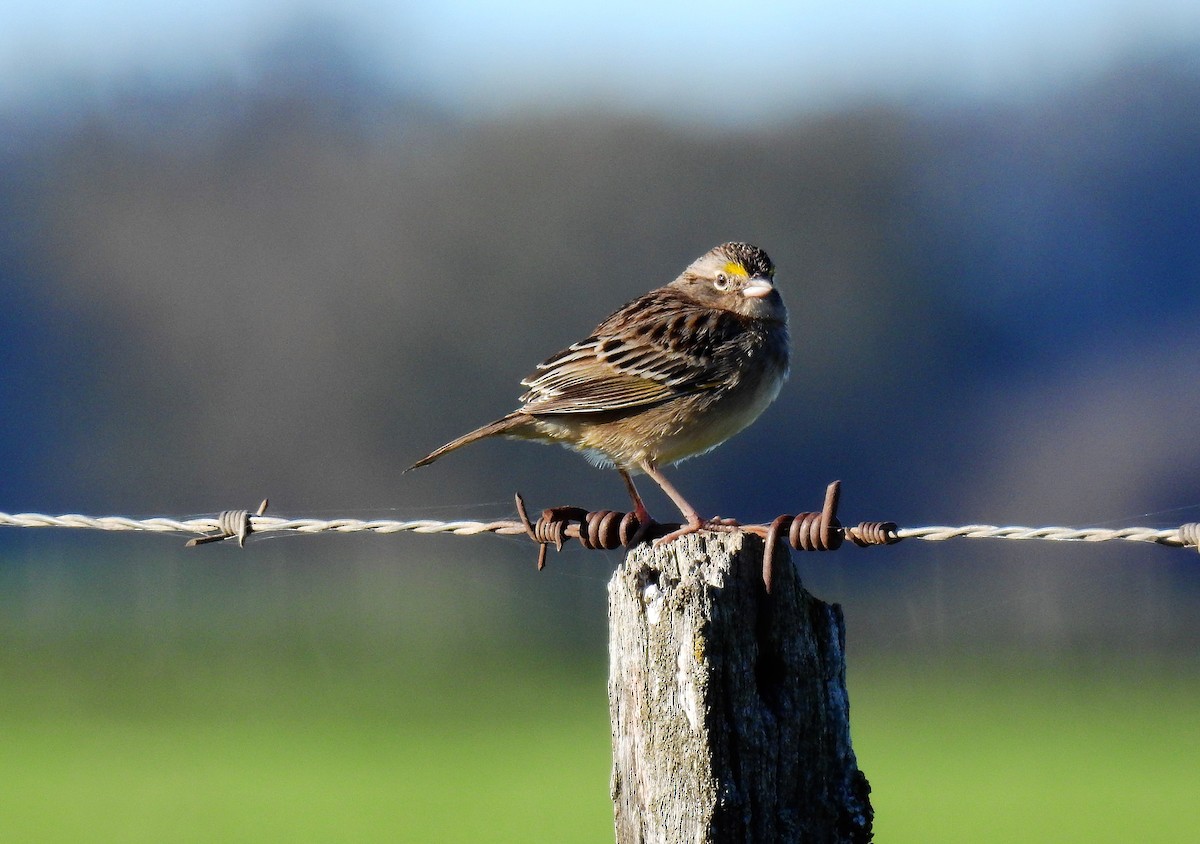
(264, 524)
(1166, 536)
(1187, 534)
(259, 524)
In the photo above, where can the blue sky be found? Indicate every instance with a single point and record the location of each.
(696, 59)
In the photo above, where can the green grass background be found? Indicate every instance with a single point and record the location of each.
(251, 716)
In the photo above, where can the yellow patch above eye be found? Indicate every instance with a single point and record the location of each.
(734, 268)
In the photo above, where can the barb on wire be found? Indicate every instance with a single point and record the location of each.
(230, 524)
(606, 529)
(805, 532)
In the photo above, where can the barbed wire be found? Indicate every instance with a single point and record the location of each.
(258, 524)
(511, 527)
(608, 529)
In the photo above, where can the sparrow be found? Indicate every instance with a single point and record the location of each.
(668, 376)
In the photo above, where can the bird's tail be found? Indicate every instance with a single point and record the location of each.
(508, 425)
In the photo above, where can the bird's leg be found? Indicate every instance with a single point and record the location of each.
(639, 507)
(693, 522)
(645, 520)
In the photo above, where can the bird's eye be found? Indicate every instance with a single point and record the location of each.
(721, 282)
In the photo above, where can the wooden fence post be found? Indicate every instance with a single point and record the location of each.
(730, 718)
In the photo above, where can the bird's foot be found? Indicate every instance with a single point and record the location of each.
(695, 525)
(717, 523)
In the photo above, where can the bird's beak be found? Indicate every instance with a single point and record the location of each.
(757, 288)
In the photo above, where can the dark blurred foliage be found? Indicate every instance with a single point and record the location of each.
(296, 286)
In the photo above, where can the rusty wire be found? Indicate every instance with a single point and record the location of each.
(608, 529)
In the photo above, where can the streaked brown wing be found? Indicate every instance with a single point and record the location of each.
(655, 349)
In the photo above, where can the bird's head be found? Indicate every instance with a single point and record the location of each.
(736, 277)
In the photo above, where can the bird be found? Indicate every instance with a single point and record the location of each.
(668, 376)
